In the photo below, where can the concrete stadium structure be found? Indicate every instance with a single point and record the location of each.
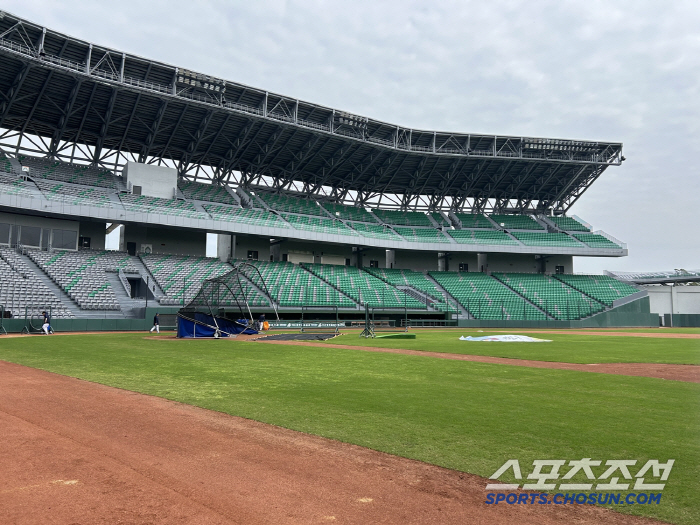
(330, 204)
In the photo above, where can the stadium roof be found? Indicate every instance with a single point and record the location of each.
(82, 102)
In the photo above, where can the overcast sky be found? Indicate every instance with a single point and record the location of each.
(625, 71)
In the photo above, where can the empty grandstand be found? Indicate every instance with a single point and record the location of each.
(82, 275)
(334, 210)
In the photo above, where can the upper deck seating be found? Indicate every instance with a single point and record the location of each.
(74, 195)
(144, 204)
(318, 224)
(470, 220)
(421, 234)
(205, 192)
(596, 241)
(350, 213)
(290, 204)
(11, 184)
(43, 168)
(517, 222)
(403, 218)
(481, 237)
(245, 216)
(376, 231)
(568, 224)
(546, 239)
(437, 217)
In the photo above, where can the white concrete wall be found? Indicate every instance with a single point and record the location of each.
(155, 181)
(685, 299)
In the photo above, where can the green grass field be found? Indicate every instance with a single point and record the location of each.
(566, 348)
(461, 415)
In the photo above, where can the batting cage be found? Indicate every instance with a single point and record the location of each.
(224, 305)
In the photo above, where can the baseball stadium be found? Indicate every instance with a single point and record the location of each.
(392, 320)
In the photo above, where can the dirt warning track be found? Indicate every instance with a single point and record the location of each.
(79, 452)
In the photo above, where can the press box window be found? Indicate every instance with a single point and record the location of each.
(64, 239)
(4, 234)
(30, 236)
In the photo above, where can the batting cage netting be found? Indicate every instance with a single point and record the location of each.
(224, 305)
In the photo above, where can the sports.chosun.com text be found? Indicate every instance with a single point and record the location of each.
(608, 498)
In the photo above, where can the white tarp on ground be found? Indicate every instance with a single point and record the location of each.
(506, 339)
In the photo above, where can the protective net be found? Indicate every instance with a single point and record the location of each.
(224, 305)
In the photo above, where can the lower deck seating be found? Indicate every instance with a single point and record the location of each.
(487, 298)
(417, 280)
(553, 296)
(180, 277)
(602, 288)
(363, 287)
(82, 275)
(291, 285)
(21, 291)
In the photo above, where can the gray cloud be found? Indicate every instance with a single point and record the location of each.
(624, 71)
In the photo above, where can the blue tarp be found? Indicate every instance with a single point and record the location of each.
(204, 327)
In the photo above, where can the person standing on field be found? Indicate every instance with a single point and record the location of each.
(156, 323)
(46, 325)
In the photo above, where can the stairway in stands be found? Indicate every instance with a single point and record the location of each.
(138, 263)
(462, 311)
(131, 308)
